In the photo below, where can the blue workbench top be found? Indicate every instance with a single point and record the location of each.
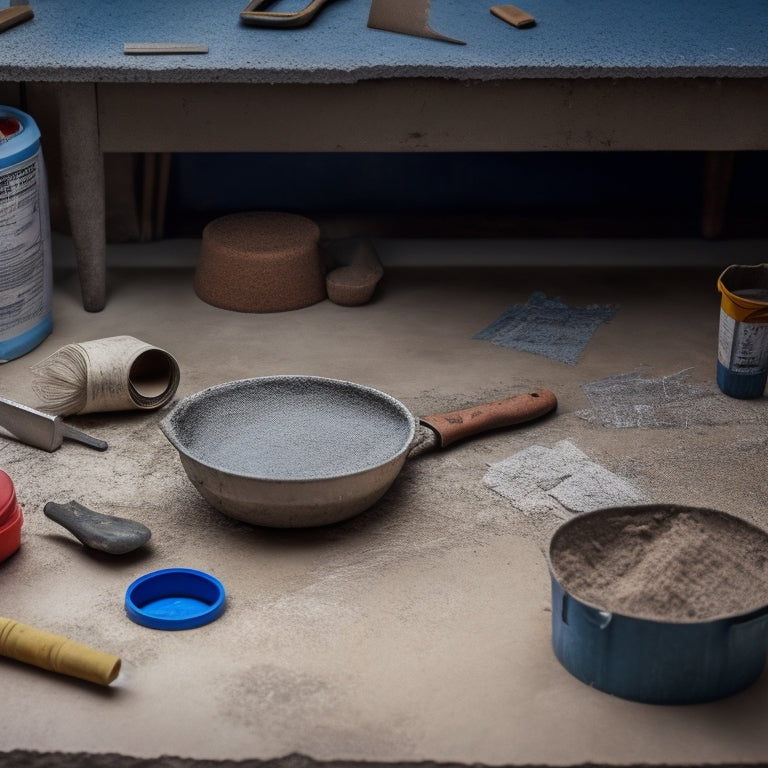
(82, 40)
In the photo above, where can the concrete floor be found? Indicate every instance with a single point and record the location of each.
(419, 630)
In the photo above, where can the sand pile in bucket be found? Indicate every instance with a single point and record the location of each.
(663, 563)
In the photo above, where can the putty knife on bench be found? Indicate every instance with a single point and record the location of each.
(41, 430)
(407, 17)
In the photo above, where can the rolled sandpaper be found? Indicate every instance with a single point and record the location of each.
(56, 653)
(113, 374)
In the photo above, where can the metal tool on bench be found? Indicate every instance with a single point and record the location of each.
(255, 15)
(41, 430)
(408, 17)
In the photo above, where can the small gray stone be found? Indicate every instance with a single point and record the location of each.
(114, 535)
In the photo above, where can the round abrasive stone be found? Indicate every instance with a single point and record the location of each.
(260, 262)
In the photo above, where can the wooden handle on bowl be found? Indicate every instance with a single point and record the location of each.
(457, 425)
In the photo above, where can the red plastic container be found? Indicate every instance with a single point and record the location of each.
(11, 518)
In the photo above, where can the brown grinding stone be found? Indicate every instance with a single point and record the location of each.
(260, 262)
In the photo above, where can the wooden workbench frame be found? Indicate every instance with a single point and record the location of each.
(397, 115)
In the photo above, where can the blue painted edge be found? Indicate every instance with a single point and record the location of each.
(27, 341)
(741, 386)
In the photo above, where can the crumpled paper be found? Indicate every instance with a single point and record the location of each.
(561, 479)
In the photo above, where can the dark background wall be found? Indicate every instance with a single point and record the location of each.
(547, 194)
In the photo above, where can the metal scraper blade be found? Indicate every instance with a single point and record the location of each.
(41, 430)
(408, 17)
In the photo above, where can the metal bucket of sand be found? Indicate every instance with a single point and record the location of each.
(662, 604)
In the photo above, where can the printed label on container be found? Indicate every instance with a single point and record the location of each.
(25, 291)
(742, 347)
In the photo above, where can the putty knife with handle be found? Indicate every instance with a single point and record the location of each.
(41, 430)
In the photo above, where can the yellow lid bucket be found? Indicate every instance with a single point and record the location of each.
(742, 356)
(744, 292)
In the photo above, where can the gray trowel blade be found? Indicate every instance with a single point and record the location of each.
(41, 430)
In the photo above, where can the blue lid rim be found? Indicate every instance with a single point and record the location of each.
(205, 593)
(24, 144)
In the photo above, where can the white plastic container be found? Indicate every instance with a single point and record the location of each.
(25, 237)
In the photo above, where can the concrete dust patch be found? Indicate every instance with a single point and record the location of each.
(632, 400)
(561, 479)
(547, 327)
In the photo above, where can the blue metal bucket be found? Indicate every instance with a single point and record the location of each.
(656, 662)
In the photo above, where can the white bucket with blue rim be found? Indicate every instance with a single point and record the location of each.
(25, 237)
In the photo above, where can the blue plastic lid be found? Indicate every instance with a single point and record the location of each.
(175, 598)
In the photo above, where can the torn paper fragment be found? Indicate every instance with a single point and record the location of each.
(561, 479)
(594, 487)
(547, 327)
(632, 400)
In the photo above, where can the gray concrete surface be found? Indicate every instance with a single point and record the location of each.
(419, 630)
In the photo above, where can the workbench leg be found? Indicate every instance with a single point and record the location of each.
(718, 171)
(82, 167)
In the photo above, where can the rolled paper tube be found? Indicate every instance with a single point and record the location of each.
(56, 653)
(113, 374)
